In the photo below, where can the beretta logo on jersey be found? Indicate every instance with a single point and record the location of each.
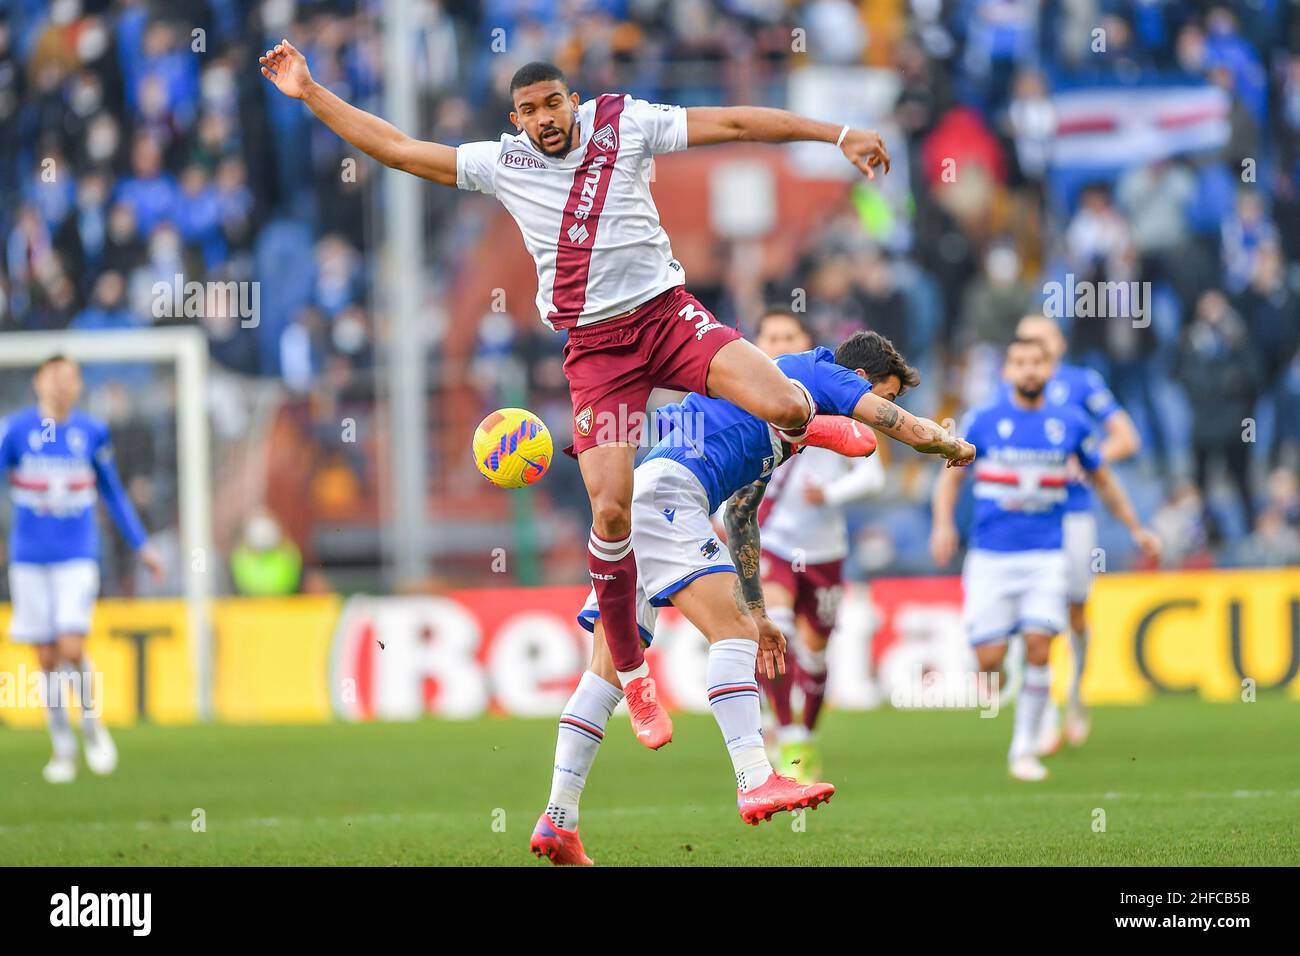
(582, 421)
(605, 137)
(521, 160)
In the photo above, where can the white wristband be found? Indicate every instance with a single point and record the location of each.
(844, 132)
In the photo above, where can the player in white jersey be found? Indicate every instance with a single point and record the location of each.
(1014, 578)
(805, 540)
(1085, 389)
(576, 178)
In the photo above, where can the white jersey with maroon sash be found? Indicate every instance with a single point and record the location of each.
(588, 218)
(791, 527)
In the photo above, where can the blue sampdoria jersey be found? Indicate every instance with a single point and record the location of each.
(56, 472)
(727, 448)
(1086, 390)
(1020, 472)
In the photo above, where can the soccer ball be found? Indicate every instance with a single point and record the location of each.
(512, 448)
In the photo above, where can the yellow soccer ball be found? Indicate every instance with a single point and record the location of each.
(512, 448)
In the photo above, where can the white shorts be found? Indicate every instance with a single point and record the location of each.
(672, 537)
(1010, 592)
(1080, 530)
(50, 600)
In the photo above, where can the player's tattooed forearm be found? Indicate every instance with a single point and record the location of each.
(747, 557)
(888, 415)
(743, 542)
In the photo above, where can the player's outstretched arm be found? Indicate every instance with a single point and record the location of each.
(927, 437)
(706, 125)
(743, 542)
(1117, 502)
(285, 67)
(944, 538)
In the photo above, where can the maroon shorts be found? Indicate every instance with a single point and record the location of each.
(817, 589)
(668, 342)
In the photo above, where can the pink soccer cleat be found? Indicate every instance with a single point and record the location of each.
(561, 847)
(778, 793)
(840, 434)
(653, 726)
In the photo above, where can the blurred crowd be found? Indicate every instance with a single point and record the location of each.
(138, 142)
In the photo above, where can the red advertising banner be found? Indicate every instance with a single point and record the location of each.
(521, 651)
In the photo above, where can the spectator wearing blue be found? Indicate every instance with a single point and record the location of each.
(150, 192)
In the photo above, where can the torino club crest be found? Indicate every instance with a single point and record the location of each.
(605, 138)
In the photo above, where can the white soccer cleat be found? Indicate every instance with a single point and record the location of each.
(1028, 768)
(101, 752)
(60, 770)
(1078, 725)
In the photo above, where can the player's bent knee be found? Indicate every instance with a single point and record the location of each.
(1038, 649)
(47, 656)
(788, 408)
(70, 646)
(739, 627)
(611, 519)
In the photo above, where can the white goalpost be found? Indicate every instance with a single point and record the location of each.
(186, 349)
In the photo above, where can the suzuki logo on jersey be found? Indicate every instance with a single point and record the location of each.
(589, 186)
(1005, 427)
(606, 138)
(1055, 429)
(578, 233)
(710, 549)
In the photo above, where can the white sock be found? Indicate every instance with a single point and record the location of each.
(812, 663)
(1051, 717)
(57, 690)
(626, 677)
(582, 728)
(793, 734)
(733, 697)
(89, 715)
(1079, 661)
(1029, 709)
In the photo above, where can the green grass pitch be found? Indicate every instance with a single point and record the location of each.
(1180, 783)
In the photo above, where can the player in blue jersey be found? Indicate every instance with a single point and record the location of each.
(60, 461)
(1014, 577)
(1119, 440)
(709, 451)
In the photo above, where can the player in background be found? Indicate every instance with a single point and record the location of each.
(711, 450)
(1083, 388)
(805, 539)
(59, 460)
(576, 178)
(1014, 577)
